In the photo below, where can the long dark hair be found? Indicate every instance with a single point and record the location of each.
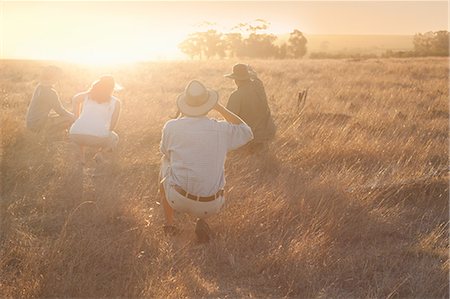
(102, 89)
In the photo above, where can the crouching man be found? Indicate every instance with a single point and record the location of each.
(194, 149)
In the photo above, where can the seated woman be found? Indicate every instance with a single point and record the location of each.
(97, 112)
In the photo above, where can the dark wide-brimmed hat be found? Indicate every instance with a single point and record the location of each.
(240, 72)
(196, 99)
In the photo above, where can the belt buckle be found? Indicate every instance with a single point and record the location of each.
(196, 197)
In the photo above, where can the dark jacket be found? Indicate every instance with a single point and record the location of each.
(249, 102)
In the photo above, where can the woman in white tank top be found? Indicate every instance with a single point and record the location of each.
(97, 112)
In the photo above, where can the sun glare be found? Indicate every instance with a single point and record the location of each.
(106, 55)
(107, 51)
(99, 59)
(110, 39)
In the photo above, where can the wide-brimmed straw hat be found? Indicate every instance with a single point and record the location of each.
(196, 99)
(240, 72)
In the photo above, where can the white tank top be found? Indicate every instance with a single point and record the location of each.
(94, 119)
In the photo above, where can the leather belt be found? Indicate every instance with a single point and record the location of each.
(196, 197)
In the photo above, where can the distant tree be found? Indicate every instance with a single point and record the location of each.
(233, 44)
(441, 43)
(191, 46)
(257, 43)
(206, 44)
(260, 46)
(297, 44)
(432, 43)
(212, 44)
(247, 40)
(422, 42)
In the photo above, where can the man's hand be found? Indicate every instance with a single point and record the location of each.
(227, 114)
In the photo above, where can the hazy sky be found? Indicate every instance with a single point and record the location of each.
(106, 30)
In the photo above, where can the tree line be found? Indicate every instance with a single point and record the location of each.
(432, 43)
(247, 40)
(244, 41)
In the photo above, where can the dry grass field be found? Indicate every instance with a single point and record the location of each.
(350, 201)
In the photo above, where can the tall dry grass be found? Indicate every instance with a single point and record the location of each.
(351, 200)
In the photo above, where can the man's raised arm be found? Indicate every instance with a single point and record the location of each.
(228, 115)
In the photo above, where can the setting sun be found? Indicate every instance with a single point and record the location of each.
(118, 32)
(85, 33)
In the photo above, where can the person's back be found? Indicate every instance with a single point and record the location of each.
(194, 149)
(95, 118)
(97, 112)
(249, 101)
(197, 147)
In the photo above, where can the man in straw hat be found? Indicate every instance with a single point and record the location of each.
(249, 101)
(194, 149)
(44, 100)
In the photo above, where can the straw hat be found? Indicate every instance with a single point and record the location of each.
(196, 99)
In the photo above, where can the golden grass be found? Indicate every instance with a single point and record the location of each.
(350, 201)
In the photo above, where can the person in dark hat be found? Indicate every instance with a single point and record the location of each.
(194, 149)
(249, 101)
(45, 99)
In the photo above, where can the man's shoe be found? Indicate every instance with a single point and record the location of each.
(203, 231)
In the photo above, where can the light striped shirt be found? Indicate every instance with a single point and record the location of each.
(195, 149)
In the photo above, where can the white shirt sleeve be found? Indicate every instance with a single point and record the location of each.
(163, 144)
(236, 135)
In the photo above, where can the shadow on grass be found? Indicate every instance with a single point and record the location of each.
(283, 236)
